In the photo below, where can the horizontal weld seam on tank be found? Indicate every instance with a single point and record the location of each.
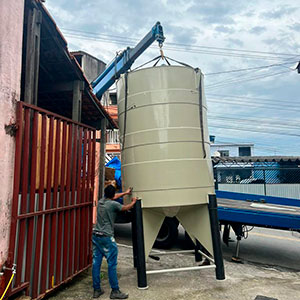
(159, 91)
(161, 128)
(162, 160)
(170, 189)
(160, 103)
(160, 143)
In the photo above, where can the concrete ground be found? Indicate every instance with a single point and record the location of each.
(243, 281)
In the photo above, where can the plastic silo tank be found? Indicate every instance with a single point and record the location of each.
(166, 152)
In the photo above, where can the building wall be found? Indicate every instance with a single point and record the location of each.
(233, 149)
(92, 67)
(11, 32)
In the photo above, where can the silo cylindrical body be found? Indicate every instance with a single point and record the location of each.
(163, 128)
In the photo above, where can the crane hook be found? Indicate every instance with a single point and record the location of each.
(161, 52)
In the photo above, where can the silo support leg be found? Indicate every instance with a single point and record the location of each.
(140, 248)
(216, 240)
(133, 236)
(198, 255)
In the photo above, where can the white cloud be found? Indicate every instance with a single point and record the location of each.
(254, 25)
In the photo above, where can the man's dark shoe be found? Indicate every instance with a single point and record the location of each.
(98, 293)
(117, 294)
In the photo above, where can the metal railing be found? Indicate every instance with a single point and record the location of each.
(272, 181)
(112, 136)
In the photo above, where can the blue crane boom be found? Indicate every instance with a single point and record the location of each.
(125, 59)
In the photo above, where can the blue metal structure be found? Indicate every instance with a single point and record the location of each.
(258, 210)
(125, 59)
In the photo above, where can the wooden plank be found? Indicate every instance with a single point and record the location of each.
(32, 56)
(77, 100)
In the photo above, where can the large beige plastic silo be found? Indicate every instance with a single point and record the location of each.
(166, 155)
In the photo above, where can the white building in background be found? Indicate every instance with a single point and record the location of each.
(230, 150)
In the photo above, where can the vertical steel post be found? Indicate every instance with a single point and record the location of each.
(215, 233)
(46, 241)
(140, 248)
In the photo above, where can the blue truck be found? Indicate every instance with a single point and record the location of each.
(238, 210)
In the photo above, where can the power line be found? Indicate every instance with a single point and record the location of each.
(253, 98)
(253, 125)
(212, 86)
(252, 121)
(131, 40)
(187, 48)
(252, 68)
(255, 105)
(255, 130)
(257, 102)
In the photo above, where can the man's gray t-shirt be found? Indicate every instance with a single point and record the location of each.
(106, 215)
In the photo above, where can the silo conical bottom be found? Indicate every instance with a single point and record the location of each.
(194, 219)
(152, 221)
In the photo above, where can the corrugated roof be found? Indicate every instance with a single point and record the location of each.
(249, 159)
(92, 109)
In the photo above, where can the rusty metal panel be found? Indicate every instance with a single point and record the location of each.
(51, 224)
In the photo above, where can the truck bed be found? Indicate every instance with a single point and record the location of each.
(259, 210)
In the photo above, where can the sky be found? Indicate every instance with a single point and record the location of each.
(247, 50)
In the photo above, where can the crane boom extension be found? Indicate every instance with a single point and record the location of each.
(125, 59)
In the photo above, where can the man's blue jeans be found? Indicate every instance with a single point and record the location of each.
(105, 246)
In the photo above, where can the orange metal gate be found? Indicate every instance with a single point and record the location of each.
(52, 202)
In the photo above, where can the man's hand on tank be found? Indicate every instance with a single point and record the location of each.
(134, 199)
(129, 191)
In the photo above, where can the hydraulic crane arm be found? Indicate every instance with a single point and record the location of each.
(125, 59)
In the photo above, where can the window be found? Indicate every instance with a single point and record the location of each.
(224, 153)
(244, 151)
(113, 98)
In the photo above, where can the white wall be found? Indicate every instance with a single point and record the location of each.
(233, 149)
(11, 34)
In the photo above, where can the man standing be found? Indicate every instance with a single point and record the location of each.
(104, 243)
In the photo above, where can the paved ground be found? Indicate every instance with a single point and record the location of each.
(243, 281)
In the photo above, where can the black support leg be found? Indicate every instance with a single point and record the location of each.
(198, 255)
(216, 240)
(133, 236)
(140, 248)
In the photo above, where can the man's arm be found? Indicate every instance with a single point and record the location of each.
(129, 206)
(119, 195)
